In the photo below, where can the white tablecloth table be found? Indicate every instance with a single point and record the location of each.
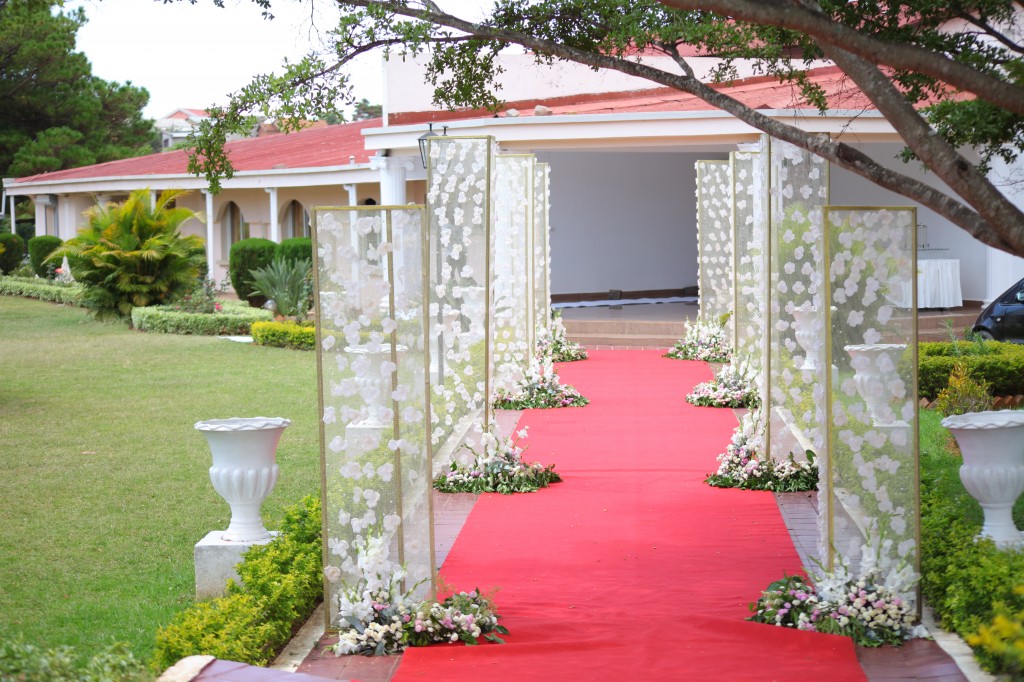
(938, 283)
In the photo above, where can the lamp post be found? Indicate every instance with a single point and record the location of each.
(423, 141)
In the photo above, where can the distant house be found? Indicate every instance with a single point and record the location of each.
(623, 208)
(176, 126)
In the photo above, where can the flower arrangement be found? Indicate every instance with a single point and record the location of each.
(867, 607)
(703, 340)
(553, 344)
(383, 618)
(497, 468)
(539, 388)
(743, 465)
(733, 386)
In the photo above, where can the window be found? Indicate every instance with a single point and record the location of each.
(295, 221)
(233, 225)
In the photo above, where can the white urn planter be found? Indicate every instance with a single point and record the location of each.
(244, 469)
(873, 365)
(809, 339)
(992, 445)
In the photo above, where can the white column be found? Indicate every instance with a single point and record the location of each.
(153, 196)
(14, 218)
(210, 231)
(392, 178)
(353, 196)
(40, 215)
(275, 223)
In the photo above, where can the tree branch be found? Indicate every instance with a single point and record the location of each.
(825, 31)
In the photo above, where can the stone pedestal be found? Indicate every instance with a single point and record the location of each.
(215, 560)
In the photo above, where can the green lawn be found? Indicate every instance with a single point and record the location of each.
(103, 480)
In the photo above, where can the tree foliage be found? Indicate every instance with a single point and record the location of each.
(56, 114)
(944, 74)
(133, 254)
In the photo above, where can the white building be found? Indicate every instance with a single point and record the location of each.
(622, 155)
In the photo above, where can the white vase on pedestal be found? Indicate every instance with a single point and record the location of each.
(874, 365)
(992, 444)
(805, 333)
(244, 469)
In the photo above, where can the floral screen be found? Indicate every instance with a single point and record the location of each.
(798, 188)
(749, 257)
(714, 240)
(541, 249)
(372, 358)
(512, 237)
(459, 201)
(873, 468)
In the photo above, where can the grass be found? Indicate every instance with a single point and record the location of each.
(103, 479)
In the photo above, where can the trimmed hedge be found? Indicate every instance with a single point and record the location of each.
(282, 582)
(14, 252)
(296, 249)
(1000, 364)
(284, 335)
(38, 249)
(43, 289)
(24, 662)
(231, 321)
(246, 255)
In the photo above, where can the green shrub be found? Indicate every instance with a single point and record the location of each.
(281, 583)
(296, 249)
(13, 252)
(133, 254)
(287, 283)
(967, 582)
(44, 290)
(246, 255)
(22, 662)
(230, 321)
(963, 394)
(38, 249)
(1001, 365)
(284, 335)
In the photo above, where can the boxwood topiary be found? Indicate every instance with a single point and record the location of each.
(284, 335)
(296, 249)
(247, 255)
(14, 252)
(38, 249)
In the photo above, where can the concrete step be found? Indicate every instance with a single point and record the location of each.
(624, 340)
(625, 327)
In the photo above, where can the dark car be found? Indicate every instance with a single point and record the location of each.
(1003, 319)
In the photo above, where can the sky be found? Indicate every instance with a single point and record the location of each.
(192, 56)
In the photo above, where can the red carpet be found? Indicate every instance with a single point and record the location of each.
(632, 568)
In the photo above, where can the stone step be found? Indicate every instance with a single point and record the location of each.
(624, 340)
(627, 327)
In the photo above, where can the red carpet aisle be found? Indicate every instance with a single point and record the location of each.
(631, 569)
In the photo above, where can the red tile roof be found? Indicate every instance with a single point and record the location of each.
(313, 148)
(761, 92)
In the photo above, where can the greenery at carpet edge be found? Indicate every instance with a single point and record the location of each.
(234, 320)
(790, 478)
(21, 661)
(567, 352)
(528, 479)
(749, 401)
(281, 583)
(116, 563)
(970, 584)
(540, 400)
(554, 345)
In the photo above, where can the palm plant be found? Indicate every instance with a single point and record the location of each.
(133, 254)
(286, 283)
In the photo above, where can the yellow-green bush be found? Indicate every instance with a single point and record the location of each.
(1002, 640)
(963, 394)
(281, 584)
(284, 335)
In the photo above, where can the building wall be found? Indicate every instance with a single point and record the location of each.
(622, 220)
(944, 240)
